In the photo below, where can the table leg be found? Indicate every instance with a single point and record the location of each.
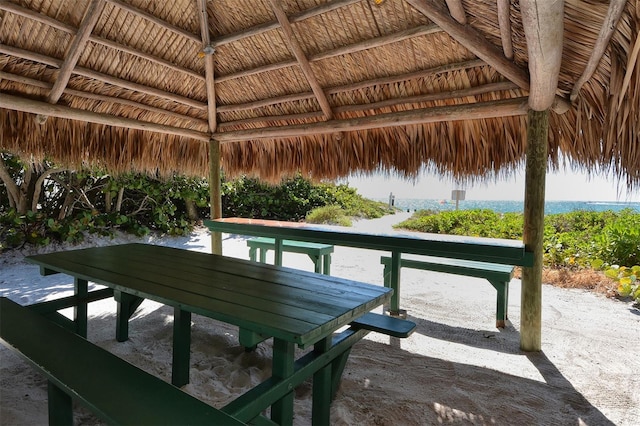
(278, 252)
(394, 283)
(81, 288)
(181, 347)
(127, 305)
(322, 387)
(60, 406)
(283, 359)
(317, 263)
(252, 254)
(326, 264)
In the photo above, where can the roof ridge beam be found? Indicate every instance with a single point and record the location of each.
(301, 57)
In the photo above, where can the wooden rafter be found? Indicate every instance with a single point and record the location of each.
(616, 7)
(353, 86)
(92, 14)
(149, 17)
(457, 11)
(454, 94)
(36, 57)
(301, 57)
(504, 20)
(352, 48)
(44, 19)
(296, 17)
(473, 40)
(103, 98)
(479, 110)
(207, 50)
(543, 23)
(36, 107)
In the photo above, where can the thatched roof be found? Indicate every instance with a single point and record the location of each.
(324, 87)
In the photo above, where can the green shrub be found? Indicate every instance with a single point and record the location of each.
(329, 215)
(619, 241)
(628, 280)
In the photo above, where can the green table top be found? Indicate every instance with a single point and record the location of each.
(297, 306)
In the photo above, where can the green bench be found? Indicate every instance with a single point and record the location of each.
(320, 254)
(116, 391)
(498, 275)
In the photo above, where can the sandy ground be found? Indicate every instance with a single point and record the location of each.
(456, 368)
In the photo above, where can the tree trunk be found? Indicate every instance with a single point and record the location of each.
(192, 211)
(119, 201)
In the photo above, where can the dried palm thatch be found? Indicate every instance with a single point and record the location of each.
(328, 88)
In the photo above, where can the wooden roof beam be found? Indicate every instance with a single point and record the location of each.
(301, 57)
(85, 72)
(504, 20)
(36, 107)
(616, 7)
(75, 49)
(296, 17)
(356, 47)
(456, 10)
(47, 20)
(454, 94)
(481, 110)
(543, 23)
(353, 86)
(475, 42)
(209, 64)
(93, 96)
(154, 19)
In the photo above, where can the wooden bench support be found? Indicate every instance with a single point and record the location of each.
(117, 392)
(127, 305)
(320, 254)
(497, 274)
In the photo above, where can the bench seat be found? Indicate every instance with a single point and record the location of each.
(392, 326)
(320, 254)
(498, 275)
(116, 391)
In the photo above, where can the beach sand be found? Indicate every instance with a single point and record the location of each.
(456, 368)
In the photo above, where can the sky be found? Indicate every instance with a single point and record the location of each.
(560, 186)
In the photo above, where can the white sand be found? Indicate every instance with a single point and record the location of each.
(456, 368)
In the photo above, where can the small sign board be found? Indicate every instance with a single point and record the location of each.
(457, 194)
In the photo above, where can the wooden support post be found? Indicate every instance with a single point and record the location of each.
(536, 167)
(215, 194)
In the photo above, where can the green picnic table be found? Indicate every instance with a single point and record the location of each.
(292, 306)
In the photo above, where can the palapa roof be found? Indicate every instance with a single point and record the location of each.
(325, 87)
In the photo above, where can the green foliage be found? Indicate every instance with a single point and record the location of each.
(330, 215)
(628, 280)
(580, 239)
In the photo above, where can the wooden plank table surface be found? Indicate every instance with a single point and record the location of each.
(294, 307)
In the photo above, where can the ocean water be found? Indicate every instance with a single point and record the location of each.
(551, 207)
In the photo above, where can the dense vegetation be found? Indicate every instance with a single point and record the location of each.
(577, 240)
(40, 203)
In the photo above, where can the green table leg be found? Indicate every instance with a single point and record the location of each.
(392, 280)
(181, 347)
(322, 387)
(326, 264)
(502, 302)
(252, 254)
(81, 288)
(278, 252)
(60, 406)
(127, 305)
(317, 263)
(283, 359)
